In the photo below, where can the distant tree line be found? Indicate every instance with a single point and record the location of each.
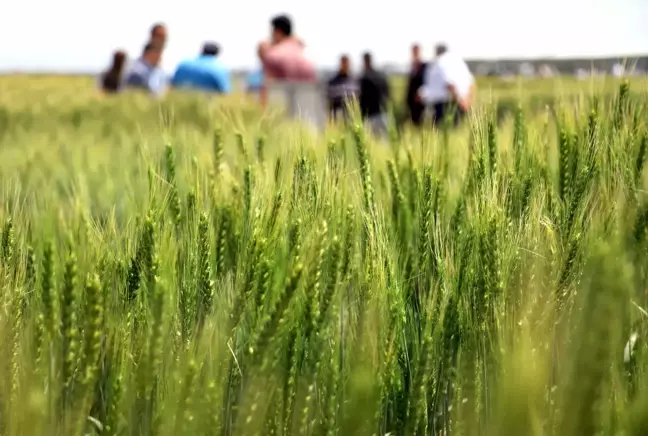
(560, 66)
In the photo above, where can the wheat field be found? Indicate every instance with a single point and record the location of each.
(194, 267)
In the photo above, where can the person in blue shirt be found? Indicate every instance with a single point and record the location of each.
(205, 73)
(145, 73)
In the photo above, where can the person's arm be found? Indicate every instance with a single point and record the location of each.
(465, 101)
(454, 95)
(410, 89)
(271, 72)
(263, 88)
(363, 90)
(262, 50)
(468, 101)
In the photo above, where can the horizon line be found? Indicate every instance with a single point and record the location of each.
(470, 59)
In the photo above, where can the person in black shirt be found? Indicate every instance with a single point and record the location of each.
(415, 107)
(111, 80)
(374, 95)
(341, 89)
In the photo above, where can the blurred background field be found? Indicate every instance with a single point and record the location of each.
(27, 89)
(53, 101)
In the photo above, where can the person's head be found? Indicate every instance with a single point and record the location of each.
(118, 60)
(159, 34)
(416, 52)
(210, 49)
(345, 64)
(281, 28)
(111, 81)
(440, 49)
(152, 54)
(367, 61)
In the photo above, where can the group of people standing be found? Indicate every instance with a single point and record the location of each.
(205, 72)
(439, 88)
(371, 90)
(282, 58)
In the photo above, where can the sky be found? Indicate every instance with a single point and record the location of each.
(80, 35)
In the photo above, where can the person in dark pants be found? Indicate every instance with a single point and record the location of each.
(340, 90)
(415, 107)
(374, 95)
(448, 112)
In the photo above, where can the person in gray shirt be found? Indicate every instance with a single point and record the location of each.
(145, 73)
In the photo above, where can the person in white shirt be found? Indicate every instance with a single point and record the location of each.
(448, 86)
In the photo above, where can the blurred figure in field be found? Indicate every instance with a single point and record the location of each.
(374, 96)
(158, 35)
(448, 87)
(205, 72)
(254, 82)
(112, 79)
(145, 72)
(283, 57)
(341, 89)
(415, 107)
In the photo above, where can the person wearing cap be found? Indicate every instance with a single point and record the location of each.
(145, 73)
(205, 72)
(448, 87)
